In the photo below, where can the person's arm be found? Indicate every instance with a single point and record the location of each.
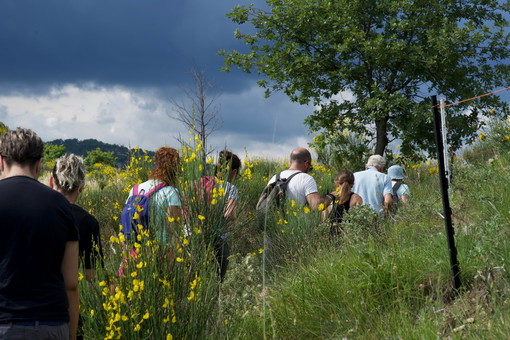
(388, 201)
(404, 198)
(355, 200)
(387, 194)
(231, 209)
(325, 213)
(69, 270)
(174, 211)
(405, 193)
(314, 200)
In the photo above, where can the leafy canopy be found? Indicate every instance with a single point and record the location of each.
(98, 156)
(389, 56)
(52, 152)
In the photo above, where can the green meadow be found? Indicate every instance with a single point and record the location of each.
(384, 278)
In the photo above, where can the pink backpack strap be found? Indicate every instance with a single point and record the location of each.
(156, 188)
(135, 189)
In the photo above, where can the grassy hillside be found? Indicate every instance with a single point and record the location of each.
(392, 279)
(386, 278)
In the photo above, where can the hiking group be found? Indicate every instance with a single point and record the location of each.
(381, 192)
(44, 234)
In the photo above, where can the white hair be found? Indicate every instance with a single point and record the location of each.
(376, 160)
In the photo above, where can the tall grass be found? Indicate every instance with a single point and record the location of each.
(383, 278)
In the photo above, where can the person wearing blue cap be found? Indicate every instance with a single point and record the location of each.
(401, 191)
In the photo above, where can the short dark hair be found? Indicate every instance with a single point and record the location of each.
(227, 158)
(21, 146)
(300, 155)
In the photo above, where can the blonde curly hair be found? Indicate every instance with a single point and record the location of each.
(69, 173)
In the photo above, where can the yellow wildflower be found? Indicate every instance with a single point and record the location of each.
(191, 295)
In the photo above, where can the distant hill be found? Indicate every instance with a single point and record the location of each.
(84, 146)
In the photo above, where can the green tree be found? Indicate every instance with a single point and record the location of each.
(52, 152)
(3, 128)
(390, 55)
(97, 156)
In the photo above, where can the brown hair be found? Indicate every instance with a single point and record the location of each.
(345, 176)
(345, 180)
(167, 165)
(22, 146)
(227, 159)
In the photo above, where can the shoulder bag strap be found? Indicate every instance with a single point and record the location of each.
(396, 186)
(294, 174)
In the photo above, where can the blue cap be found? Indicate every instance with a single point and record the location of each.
(396, 172)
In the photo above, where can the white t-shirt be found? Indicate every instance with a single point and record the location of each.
(299, 186)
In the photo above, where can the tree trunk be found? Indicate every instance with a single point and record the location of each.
(381, 126)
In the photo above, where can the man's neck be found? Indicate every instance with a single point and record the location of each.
(16, 170)
(297, 167)
(71, 197)
(373, 167)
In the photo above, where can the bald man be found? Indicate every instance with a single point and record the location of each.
(302, 188)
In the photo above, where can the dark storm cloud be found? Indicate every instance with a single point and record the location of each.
(104, 66)
(116, 42)
(270, 119)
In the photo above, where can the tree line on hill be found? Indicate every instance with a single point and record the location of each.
(96, 151)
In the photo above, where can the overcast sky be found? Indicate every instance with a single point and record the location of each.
(108, 69)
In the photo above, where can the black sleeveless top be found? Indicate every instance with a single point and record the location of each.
(337, 215)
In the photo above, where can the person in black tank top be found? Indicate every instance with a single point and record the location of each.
(68, 178)
(344, 182)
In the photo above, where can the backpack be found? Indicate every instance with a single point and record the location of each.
(394, 193)
(137, 203)
(274, 194)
